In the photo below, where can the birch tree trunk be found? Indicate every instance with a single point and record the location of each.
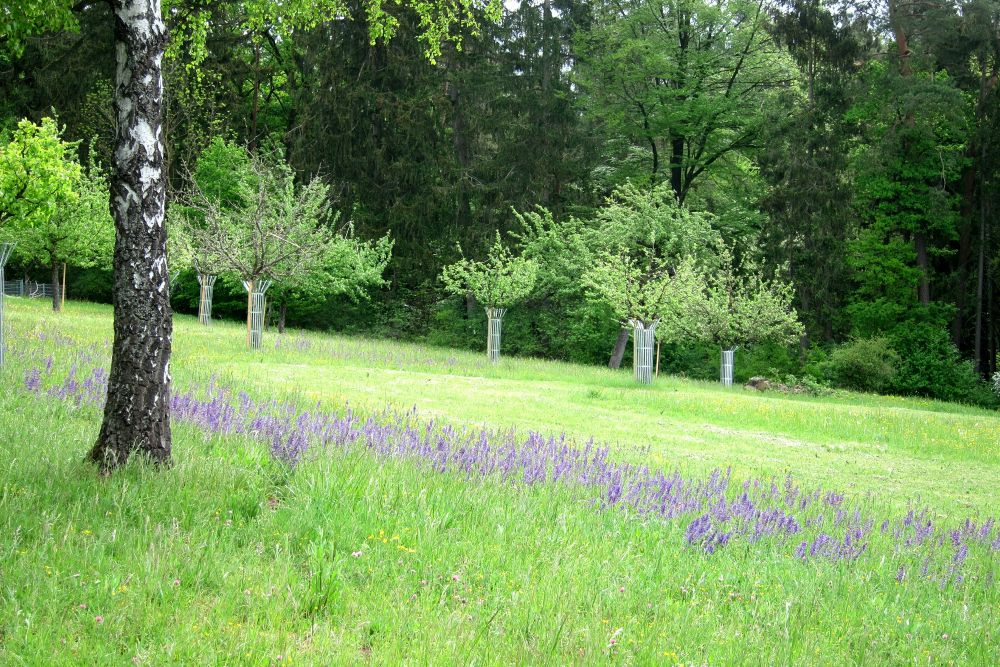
(137, 412)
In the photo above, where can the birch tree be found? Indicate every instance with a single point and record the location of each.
(137, 410)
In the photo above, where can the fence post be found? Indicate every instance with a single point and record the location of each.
(255, 316)
(494, 326)
(5, 250)
(726, 373)
(642, 350)
(207, 283)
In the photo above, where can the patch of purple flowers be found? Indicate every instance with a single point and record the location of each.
(714, 511)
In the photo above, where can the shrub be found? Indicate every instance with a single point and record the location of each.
(770, 359)
(931, 366)
(864, 364)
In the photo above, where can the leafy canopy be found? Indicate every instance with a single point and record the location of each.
(38, 173)
(81, 232)
(646, 292)
(244, 214)
(646, 253)
(499, 281)
(740, 307)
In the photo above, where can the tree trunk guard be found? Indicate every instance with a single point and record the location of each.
(255, 311)
(207, 283)
(495, 317)
(5, 250)
(726, 373)
(642, 350)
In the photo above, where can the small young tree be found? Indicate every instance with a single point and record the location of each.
(498, 282)
(224, 175)
(740, 308)
(79, 232)
(350, 266)
(43, 191)
(643, 294)
(653, 228)
(264, 227)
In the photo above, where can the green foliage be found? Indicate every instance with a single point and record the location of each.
(499, 281)
(650, 221)
(348, 267)
(38, 174)
(81, 232)
(637, 257)
(245, 215)
(54, 209)
(645, 291)
(930, 365)
(740, 307)
(916, 129)
(864, 364)
(23, 18)
(679, 85)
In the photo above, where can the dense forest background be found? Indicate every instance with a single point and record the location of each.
(851, 146)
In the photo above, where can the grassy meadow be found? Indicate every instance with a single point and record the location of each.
(356, 555)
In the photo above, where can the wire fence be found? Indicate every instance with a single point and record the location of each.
(13, 287)
(27, 288)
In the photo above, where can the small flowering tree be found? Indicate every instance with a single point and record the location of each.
(658, 233)
(256, 223)
(498, 282)
(643, 294)
(742, 308)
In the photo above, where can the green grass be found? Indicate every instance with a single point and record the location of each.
(228, 557)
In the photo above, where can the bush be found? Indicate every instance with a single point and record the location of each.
(770, 359)
(805, 384)
(931, 366)
(864, 364)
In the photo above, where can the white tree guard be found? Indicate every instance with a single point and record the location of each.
(643, 342)
(493, 329)
(255, 292)
(726, 372)
(207, 283)
(5, 250)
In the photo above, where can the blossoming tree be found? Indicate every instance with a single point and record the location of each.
(740, 307)
(498, 282)
(264, 227)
